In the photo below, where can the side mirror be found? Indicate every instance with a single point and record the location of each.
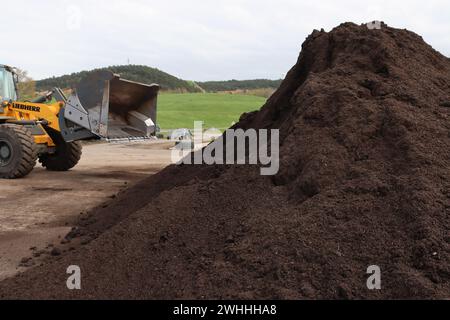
(16, 84)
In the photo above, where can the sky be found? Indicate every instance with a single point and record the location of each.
(197, 40)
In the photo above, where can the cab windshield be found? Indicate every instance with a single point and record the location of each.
(7, 88)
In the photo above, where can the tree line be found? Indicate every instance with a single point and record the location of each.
(145, 74)
(232, 85)
(138, 73)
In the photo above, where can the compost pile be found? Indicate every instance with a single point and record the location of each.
(364, 119)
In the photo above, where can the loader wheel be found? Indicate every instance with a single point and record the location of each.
(18, 151)
(66, 156)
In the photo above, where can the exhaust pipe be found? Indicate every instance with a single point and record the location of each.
(113, 108)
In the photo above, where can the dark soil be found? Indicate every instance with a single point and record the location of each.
(364, 180)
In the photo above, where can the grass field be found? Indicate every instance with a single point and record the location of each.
(214, 109)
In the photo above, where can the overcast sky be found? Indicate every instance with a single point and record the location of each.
(195, 40)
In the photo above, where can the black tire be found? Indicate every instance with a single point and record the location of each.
(66, 156)
(18, 151)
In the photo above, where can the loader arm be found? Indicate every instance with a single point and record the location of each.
(33, 114)
(29, 111)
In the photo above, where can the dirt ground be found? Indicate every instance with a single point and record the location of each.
(38, 211)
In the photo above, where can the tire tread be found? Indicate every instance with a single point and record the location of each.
(29, 151)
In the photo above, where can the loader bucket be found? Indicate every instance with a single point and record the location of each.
(114, 108)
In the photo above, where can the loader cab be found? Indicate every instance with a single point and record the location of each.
(8, 84)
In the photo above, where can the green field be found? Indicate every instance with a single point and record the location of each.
(214, 109)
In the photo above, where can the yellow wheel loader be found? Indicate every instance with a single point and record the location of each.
(50, 128)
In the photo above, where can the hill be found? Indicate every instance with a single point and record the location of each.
(137, 73)
(232, 85)
(168, 82)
